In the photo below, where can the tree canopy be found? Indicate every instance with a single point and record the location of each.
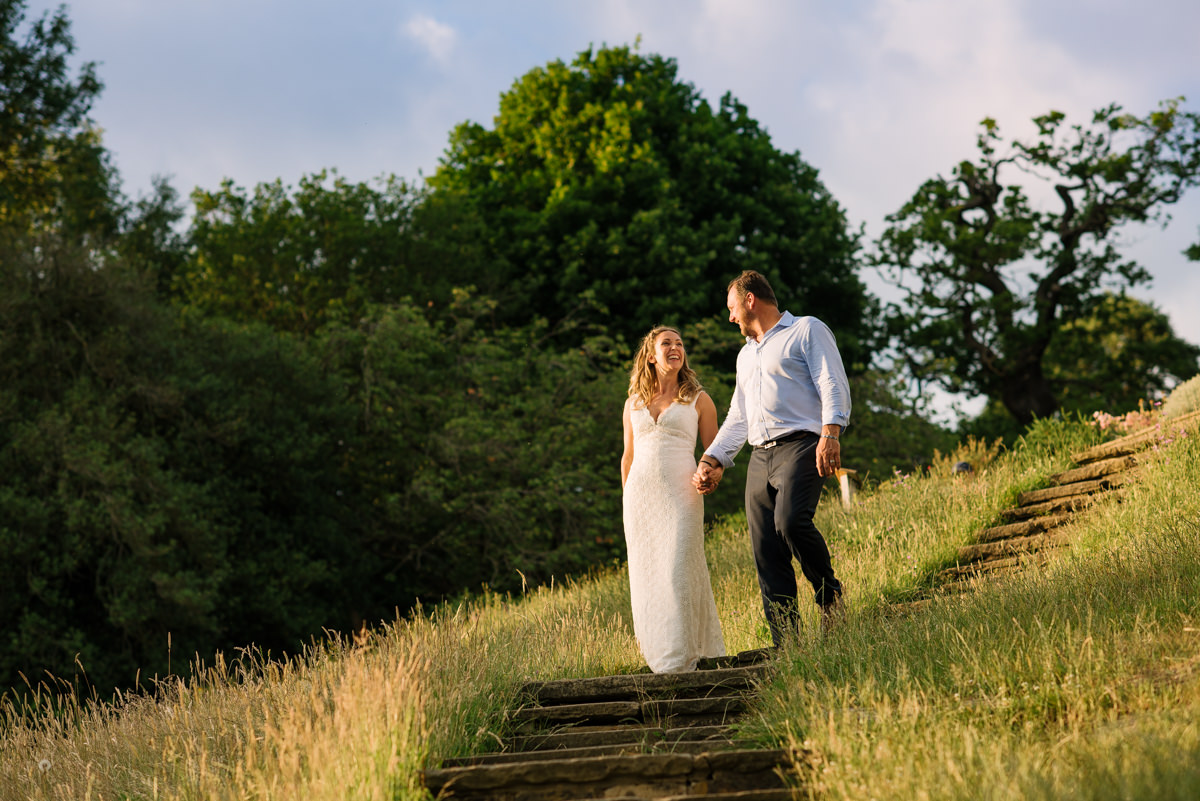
(612, 178)
(990, 281)
(54, 171)
(1119, 352)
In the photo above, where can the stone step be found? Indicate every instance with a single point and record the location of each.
(781, 794)
(741, 658)
(643, 685)
(1025, 528)
(638, 747)
(1014, 545)
(1066, 503)
(639, 775)
(993, 566)
(1138, 441)
(1095, 470)
(715, 708)
(1077, 488)
(641, 735)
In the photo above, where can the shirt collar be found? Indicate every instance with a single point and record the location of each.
(785, 321)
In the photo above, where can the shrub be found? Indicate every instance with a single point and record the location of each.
(1183, 399)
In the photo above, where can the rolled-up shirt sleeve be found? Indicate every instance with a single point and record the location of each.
(828, 375)
(732, 434)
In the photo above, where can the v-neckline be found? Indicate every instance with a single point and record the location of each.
(667, 408)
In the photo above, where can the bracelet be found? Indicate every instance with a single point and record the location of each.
(714, 466)
(829, 436)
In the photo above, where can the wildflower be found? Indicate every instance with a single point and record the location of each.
(44, 765)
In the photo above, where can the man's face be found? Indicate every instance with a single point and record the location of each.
(739, 315)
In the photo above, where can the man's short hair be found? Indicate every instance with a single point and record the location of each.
(753, 282)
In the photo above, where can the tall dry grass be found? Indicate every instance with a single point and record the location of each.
(1079, 679)
(339, 722)
(1075, 680)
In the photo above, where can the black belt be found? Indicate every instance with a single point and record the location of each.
(789, 437)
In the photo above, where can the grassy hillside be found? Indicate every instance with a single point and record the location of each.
(1077, 679)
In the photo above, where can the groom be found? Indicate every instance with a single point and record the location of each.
(791, 403)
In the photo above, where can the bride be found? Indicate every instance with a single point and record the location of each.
(674, 614)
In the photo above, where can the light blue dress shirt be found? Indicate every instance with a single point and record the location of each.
(792, 381)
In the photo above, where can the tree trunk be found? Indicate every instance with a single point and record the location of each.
(1028, 395)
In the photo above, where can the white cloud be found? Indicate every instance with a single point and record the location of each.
(436, 37)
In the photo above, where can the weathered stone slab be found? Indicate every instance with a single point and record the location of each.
(752, 657)
(1095, 470)
(641, 746)
(505, 757)
(1025, 528)
(974, 553)
(644, 736)
(774, 794)
(1139, 440)
(991, 566)
(1076, 488)
(1065, 503)
(602, 712)
(736, 771)
(657, 710)
(751, 760)
(641, 685)
(643, 775)
(570, 771)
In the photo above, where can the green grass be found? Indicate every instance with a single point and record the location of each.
(1076, 679)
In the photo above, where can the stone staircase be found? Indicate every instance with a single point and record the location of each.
(638, 736)
(1035, 527)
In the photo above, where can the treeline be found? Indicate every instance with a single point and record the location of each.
(222, 483)
(275, 411)
(281, 410)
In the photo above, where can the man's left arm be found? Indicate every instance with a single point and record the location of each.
(829, 377)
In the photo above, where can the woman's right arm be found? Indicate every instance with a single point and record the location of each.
(627, 454)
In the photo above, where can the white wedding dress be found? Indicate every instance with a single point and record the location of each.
(674, 614)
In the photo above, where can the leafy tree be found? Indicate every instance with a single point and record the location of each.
(162, 476)
(54, 172)
(609, 177)
(295, 259)
(990, 281)
(150, 240)
(326, 250)
(1121, 351)
(483, 450)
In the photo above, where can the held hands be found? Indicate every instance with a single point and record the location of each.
(706, 478)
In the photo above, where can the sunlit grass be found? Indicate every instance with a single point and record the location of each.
(1076, 679)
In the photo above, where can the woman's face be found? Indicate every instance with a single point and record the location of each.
(668, 354)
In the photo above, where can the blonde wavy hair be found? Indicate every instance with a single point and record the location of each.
(643, 378)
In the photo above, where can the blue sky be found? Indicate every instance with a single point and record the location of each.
(879, 95)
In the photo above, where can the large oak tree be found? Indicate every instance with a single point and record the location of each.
(990, 280)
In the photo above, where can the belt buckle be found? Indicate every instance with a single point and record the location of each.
(769, 444)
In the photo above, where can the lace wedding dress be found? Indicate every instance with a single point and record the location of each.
(674, 614)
